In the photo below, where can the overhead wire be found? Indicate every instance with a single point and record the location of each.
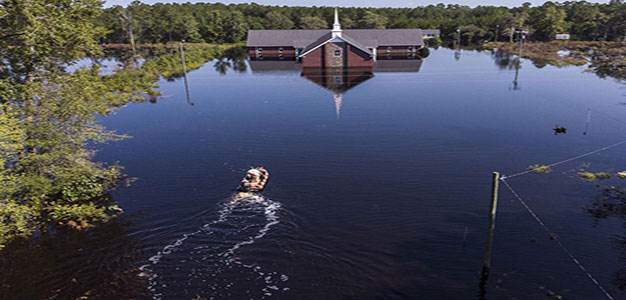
(555, 238)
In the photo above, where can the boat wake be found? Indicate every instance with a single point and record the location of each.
(211, 261)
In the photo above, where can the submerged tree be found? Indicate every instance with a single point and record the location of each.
(47, 117)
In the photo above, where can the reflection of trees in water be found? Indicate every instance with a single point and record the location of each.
(505, 60)
(612, 203)
(231, 59)
(609, 63)
(221, 65)
(604, 63)
(234, 59)
(97, 264)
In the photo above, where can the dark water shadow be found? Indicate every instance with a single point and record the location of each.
(69, 264)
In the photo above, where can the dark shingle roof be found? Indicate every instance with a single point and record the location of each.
(276, 38)
(366, 37)
(318, 42)
(329, 36)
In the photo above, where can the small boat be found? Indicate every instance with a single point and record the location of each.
(255, 180)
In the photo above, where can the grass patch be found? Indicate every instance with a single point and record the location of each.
(587, 176)
(539, 168)
(591, 176)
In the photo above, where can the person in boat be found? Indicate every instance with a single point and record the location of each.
(253, 178)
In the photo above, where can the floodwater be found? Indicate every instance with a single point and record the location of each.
(380, 187)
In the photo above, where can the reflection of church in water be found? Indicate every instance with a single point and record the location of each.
(337, 80)
(337, 59)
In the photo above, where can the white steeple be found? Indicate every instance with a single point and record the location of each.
(336, 26)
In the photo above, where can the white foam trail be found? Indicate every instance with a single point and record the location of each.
(270, 212)
(145, 269)
(271, 216)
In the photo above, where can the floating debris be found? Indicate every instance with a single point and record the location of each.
(558, 129)
(621, 174)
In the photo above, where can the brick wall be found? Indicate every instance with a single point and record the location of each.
(357, 58)
(315, 58)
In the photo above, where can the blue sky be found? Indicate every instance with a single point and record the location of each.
(361, 3)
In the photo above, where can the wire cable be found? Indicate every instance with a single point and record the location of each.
(554, 237)
(566, 160)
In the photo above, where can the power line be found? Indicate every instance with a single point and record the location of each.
(566, 160)
(554, 237)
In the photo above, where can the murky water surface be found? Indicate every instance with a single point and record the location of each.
(380, 186)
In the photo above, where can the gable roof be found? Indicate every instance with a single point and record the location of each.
(320, 41)
(369, 38)
(329, 38)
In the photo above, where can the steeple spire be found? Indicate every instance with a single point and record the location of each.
(336, 26)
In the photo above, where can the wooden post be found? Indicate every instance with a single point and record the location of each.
(488, 245)
(492, 219)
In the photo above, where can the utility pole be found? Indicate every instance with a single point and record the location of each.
(497, 29)
(522, 37)
(457, 51)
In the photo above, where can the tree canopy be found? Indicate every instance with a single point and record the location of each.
(218, 23)
(48, 110)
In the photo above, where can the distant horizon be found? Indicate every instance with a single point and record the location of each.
(356, 3)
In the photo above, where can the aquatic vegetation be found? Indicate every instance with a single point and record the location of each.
(621, 174)
(587, 175)
(593, 176)
(612, 202)
(539, 168)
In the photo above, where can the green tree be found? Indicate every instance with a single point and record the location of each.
(47, 116)
(313, 23)
(372, 20)
(586, 22)
(189, 30)
(547, 21)
(277, 20)
(33, 32)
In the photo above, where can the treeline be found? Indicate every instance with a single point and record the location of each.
(220, 23)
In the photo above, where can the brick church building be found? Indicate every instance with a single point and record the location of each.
(336, 48)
